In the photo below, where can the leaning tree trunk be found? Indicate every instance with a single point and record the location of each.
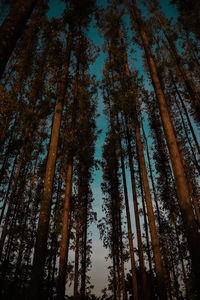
(190, 224)
(12, 28)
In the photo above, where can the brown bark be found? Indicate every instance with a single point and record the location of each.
(12, 28)
(180, 180)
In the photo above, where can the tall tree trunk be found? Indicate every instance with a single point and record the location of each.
(12, 28)
(181, 183)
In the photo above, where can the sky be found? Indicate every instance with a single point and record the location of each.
(99, 270)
